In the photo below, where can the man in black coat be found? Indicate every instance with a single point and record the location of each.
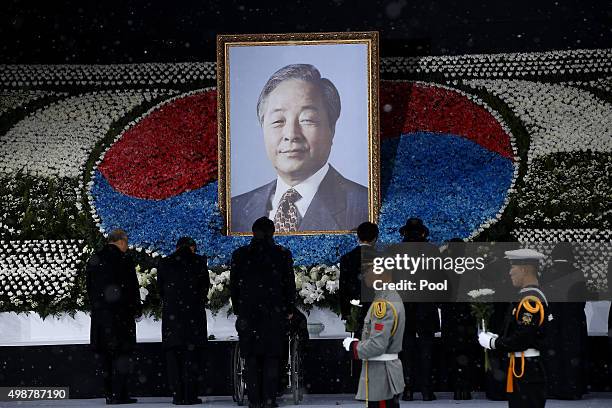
(262, 285)
(610, 320)
(350, 273)
(566, 335)
(183, 284)
(458, 327)
(350, 282)
(114, 296)
(422, 319)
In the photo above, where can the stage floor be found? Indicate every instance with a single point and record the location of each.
(595, 400)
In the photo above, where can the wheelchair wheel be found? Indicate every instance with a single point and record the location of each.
(297, 380)
(238, 377)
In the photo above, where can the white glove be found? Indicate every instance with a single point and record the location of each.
(347, 343)
(487, 340)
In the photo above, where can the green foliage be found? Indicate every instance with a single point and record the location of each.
(39, 208)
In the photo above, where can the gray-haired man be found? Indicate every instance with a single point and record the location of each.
(298, 111)
(112, 286)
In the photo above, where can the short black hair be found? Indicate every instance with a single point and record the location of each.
(185, 242)
(263, 226)
(367, 231)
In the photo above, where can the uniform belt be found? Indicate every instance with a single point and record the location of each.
(531, 352)
(384, 357)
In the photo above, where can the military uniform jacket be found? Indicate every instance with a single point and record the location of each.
(524, 328)
(381, 380)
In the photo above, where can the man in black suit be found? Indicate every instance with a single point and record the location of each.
(350, 283)
(114, 297)
(610, 320)
(350, 273)
(298, 111)
(262, 287)
(183, 284)
(422, 320)
(565, 360)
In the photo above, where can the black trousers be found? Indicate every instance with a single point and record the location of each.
(527, 395)
(460, 366)
(183, 366)
(610, 347)
(417, 360)
(530, 389)
(495, 379)
(390, 403)
(116, 369)
(262, 378)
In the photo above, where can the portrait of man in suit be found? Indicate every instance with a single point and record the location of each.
(298, 110)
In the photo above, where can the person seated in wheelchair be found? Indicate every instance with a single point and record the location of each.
(382, 377)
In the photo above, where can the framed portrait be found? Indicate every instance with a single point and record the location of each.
(298, 131)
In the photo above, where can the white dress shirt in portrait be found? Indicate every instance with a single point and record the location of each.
(307, 189)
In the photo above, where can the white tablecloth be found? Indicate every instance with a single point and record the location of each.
(29, 329)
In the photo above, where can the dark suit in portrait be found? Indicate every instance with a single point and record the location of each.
(339, 204)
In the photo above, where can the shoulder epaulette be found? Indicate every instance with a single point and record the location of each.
(533, 305)
(536, 292)
(379, 310)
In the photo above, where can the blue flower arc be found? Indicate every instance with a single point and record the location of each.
(452, 183)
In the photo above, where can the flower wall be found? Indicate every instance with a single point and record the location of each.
(481, 147)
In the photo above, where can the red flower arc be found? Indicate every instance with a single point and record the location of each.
(406, 107)
(174, 148)
(170, 151)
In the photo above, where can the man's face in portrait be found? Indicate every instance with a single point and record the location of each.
(297, 133)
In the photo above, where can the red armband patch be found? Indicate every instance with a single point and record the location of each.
(379, 326)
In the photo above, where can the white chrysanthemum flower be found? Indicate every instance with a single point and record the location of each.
(476, 293)
(143, 294)
(332, 286)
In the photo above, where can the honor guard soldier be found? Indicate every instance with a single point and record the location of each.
(523, 333)
(382, 377)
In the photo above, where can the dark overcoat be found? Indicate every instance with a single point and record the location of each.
(262, 287)
(566, 334)
(351, 286)
(114, 296)
(423, 317)
(350, 280)
(183, 284)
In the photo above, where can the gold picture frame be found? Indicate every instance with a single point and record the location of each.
(225, 44)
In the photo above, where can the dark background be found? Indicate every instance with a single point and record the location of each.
(125, 31)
